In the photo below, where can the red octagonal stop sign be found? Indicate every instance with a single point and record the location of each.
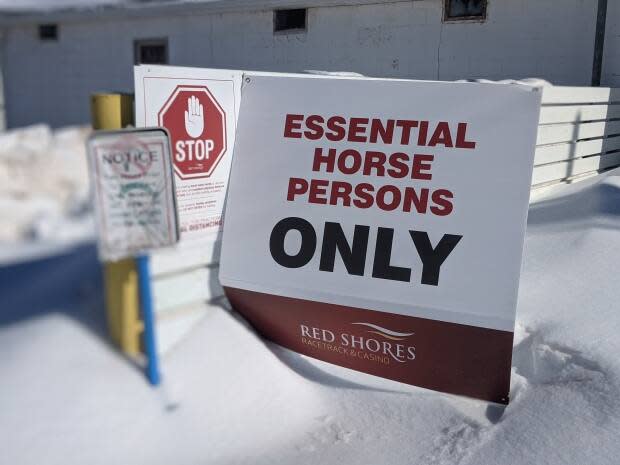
(197, 126)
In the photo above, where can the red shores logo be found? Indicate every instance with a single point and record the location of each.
(197, 126)
(375, 344)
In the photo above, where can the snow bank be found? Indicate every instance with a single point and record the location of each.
(534, 82)
(229, 398)
(46, 6)
(44, 189)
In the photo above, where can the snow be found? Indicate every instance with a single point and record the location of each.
(9, 6)
(44, 191)
(230, 398)
(42, 7)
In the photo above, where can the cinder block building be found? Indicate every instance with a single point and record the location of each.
(55, 54)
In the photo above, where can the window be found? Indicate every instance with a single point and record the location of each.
(48, 32)
(465, 10)
(151, 51)
(289, 20)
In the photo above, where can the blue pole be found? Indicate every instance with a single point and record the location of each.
(146, 305)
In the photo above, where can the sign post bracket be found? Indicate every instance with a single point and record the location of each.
(148, 318)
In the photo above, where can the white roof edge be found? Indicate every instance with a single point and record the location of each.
(9, 17)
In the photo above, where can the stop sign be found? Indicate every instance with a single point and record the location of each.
(197, 126)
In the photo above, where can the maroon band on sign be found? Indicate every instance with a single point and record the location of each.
(448, 357)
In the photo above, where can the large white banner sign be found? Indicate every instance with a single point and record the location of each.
(379, 224)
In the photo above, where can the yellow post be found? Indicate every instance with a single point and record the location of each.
(115, 111)
(111, 111)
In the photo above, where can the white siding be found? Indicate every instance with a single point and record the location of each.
(550, 39)
(611, 57)
(2, 111)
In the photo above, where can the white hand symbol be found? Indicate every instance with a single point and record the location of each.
(194, 120)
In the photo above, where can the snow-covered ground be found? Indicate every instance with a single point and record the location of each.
(66, 397)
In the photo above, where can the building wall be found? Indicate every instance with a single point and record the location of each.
(2, 111)
(611, 56)
(550, 39)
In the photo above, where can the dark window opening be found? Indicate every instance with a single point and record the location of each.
(151, 52)
(48, 32)
(458, 10)
(289, 20)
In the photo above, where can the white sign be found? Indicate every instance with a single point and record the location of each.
(134, 192)
(199, 109)
(401, 197)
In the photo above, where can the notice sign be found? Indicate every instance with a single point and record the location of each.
(379, 225)
(134, 192)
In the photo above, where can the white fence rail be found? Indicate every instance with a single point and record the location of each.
(578, 134)
(183, 283)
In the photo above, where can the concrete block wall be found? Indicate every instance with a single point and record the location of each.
(551, 39)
